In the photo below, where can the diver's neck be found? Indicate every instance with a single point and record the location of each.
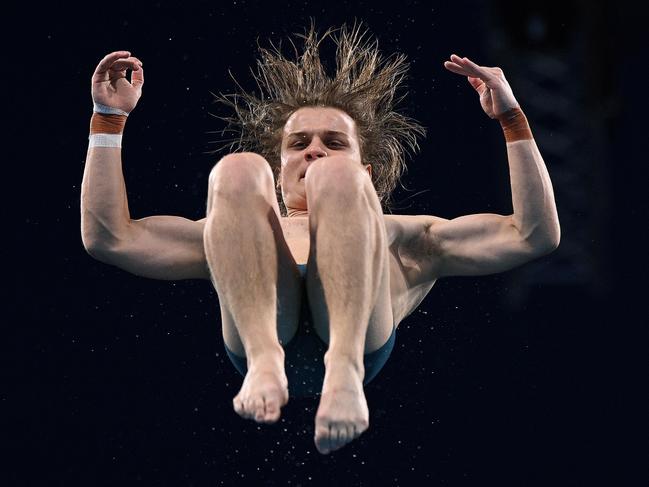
(296, 213)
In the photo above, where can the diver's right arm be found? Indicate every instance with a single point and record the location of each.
(159, 247)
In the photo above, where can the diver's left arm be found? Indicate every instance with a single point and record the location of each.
(489, 243)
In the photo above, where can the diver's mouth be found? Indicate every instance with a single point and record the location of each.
(303, 173)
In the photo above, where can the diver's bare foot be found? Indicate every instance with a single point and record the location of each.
(264, 390)
(342, 414)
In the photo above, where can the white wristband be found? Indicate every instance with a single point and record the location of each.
(105, 140)
(99, 108)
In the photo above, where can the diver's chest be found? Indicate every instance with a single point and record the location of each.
(296, 234)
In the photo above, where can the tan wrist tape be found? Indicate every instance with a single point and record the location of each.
(106, 130)
(101, 123)
(515, 126)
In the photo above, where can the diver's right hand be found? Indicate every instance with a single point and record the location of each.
(110, 86)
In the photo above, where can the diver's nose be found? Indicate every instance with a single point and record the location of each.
(314, 153)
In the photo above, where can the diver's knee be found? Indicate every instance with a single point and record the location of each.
(240, 172)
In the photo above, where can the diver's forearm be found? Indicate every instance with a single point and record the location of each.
(535, 211)
(104, 207)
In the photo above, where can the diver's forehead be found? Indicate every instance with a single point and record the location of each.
(319, 120)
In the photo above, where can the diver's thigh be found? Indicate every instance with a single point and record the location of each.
(289, 300)
(381, 321)
(289, 281)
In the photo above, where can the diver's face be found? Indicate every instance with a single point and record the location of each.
(309, 134)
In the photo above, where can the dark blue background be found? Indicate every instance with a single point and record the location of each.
(121, 380)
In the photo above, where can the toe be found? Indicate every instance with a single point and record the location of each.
(349, 433)
(249, 406)
(238, 406)
(342, 436)
(272, 411)
(322, 439)
(259, 409)
(333, 438)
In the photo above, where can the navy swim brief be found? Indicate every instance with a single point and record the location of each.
(304, 355)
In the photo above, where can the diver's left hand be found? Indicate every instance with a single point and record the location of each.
(496, 95)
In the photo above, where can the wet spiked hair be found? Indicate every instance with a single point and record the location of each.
(363, 86)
